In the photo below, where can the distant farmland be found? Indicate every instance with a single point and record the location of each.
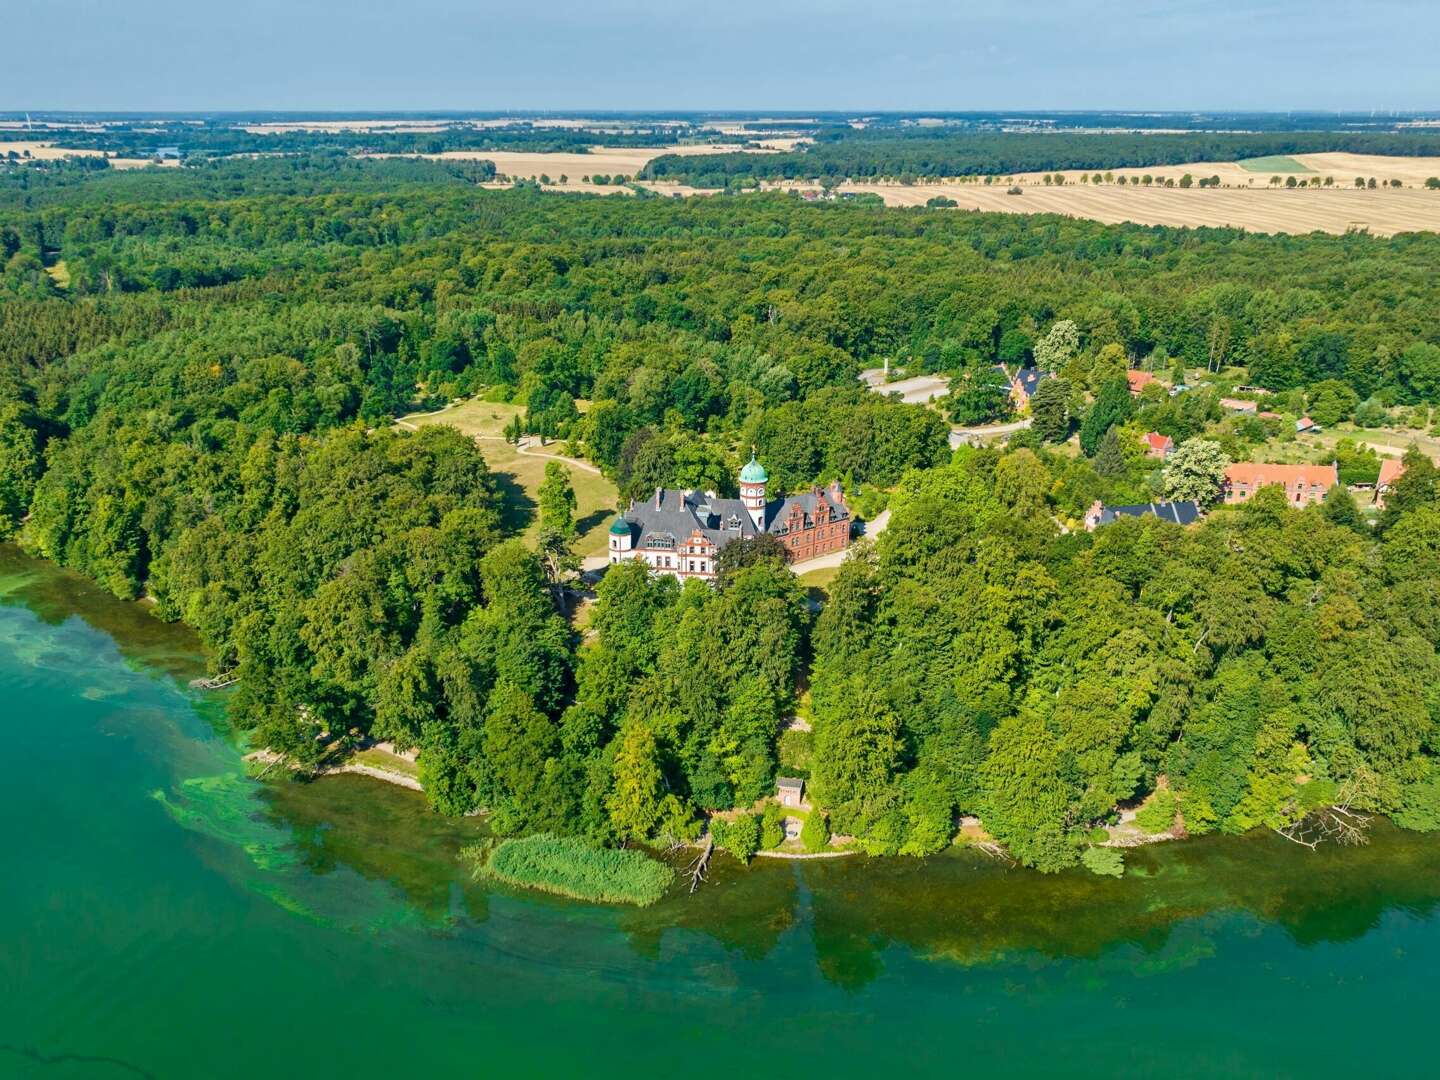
(1274, 163)
(1246, 198)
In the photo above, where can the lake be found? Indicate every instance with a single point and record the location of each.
(162, 915)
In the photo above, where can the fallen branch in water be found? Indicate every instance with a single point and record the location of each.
(701, 863)
(1337, 823)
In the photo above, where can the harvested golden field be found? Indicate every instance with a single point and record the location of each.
(605, 160)
(1258, 209)
(575, 185)
(1342, 168)
(48, 151)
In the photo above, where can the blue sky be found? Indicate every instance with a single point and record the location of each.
(782, 54)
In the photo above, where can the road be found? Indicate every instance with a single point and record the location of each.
(960, 436)
(835, 558)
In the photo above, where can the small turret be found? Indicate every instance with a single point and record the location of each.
(621, 538)
(752, 490)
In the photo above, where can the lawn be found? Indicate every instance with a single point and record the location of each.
(383, 759)
(520, 474)
(817, 582)
(1274, 163)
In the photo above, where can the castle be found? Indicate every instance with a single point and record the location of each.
(682, 532)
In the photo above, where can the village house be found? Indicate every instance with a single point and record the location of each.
(1391, 469)
(1184, 512)
(1138, 380)
(1304, 425)
(1238, 405)
(1303, 484)
(1023, 384)
(682, 532)
(1158, 446)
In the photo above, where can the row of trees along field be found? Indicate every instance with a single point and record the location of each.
(202, 416)
(935, 153)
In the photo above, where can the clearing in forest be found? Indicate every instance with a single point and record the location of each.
(519, 471)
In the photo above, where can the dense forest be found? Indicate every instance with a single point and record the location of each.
(197, 411)
(924, 154)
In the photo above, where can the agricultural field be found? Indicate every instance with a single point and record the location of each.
(1246, 199)
(1274, 163)
(519, 471)
(1259, 209)
(48, 151)
(602, 160)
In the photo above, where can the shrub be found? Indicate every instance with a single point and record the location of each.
(797, 749)
(815, 833)
(571, 867)
(740, 837)
(1105, 861)
(772, 827)
(1158, 815)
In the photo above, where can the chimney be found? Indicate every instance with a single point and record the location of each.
(659, 494)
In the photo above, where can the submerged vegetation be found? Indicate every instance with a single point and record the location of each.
(571, 867)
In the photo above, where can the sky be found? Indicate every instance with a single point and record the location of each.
(844, 55)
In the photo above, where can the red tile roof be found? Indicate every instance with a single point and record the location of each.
(1138, 380)
(1255, 473)
(1390, 471)
(1156, 441)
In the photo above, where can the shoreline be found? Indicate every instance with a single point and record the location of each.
(354, 768)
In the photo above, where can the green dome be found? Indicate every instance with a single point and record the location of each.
(620, 527)
(754, 473)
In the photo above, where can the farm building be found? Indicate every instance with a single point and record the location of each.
(1391, 469)
(1303, 484)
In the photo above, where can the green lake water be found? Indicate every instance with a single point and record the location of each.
(163, 916)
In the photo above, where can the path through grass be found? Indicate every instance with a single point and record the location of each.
(519, 474)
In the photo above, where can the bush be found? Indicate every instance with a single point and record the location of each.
(1158, 815)
(1420, 805)
(815, 833)
(772, 827)
(571, 867)
(1105, 861)
(870, 503)
(797, 750)
(740, 837)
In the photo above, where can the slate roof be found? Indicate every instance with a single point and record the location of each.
(672, 516)
(1027, 378)
(1181, 513)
